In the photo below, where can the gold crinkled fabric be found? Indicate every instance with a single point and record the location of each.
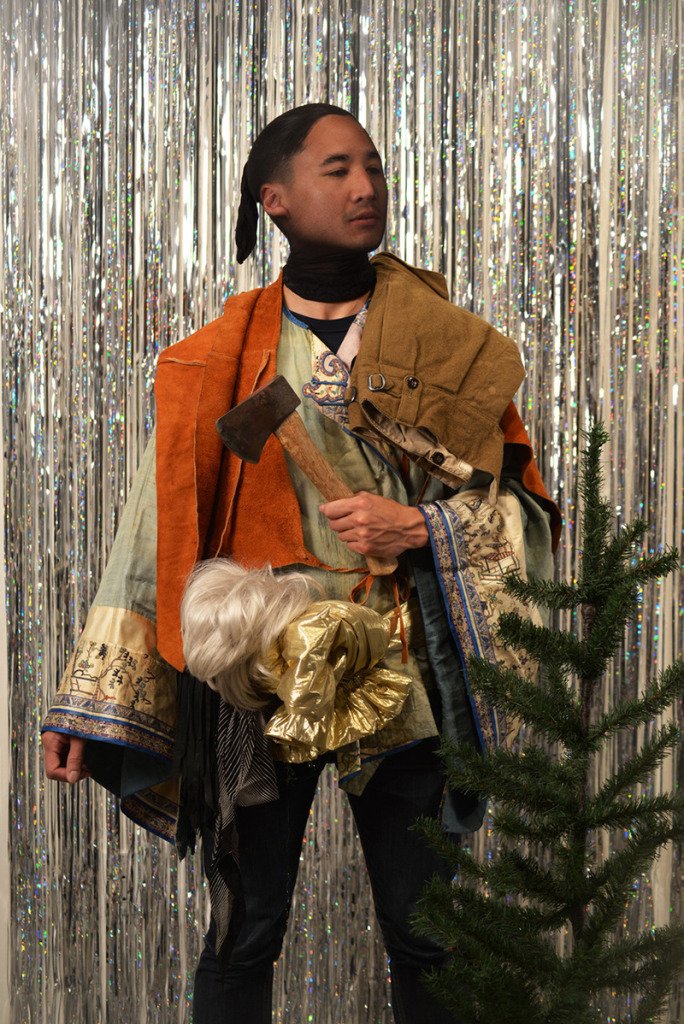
(334, 686)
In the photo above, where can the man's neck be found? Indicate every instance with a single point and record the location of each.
(322, 310)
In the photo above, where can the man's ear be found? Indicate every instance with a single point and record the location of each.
(272, 201)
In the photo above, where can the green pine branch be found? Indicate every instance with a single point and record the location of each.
(635, 771)
(548, 707)
(632, 712)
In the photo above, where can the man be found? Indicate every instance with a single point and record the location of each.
(405, 395)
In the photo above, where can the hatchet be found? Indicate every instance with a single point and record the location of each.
(272, 410)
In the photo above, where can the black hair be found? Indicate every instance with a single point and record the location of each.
(270, 155)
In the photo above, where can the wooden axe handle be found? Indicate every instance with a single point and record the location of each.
(296, 441)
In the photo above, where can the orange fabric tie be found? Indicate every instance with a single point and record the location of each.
(400, 596)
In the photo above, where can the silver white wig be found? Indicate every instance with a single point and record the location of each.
(230, 617)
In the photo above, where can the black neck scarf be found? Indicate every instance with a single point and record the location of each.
(334, 277)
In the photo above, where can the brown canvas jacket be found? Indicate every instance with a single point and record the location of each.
(432, 378)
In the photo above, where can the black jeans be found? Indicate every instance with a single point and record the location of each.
(399, 863)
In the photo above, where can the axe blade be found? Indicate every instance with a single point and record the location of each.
(246, 428)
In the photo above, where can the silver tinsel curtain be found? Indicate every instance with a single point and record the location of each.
(535, 154)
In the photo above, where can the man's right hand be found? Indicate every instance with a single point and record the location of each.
(63, 756)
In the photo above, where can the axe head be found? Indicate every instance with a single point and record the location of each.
(246, 428)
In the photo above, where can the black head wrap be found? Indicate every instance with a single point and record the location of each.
(273, 148)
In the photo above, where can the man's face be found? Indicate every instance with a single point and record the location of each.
(335, 195)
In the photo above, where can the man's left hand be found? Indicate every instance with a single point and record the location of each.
(372, 525)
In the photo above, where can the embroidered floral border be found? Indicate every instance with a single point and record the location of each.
(473, 552)
(152, 811)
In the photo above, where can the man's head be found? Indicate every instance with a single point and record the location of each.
(319, 177)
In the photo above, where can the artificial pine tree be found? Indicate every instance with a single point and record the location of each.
(504, 919)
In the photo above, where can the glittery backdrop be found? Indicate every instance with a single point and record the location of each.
(535, 153)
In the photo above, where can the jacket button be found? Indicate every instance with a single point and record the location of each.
(412, 382)
(438, 458)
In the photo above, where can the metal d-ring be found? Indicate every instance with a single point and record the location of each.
(381, 386)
